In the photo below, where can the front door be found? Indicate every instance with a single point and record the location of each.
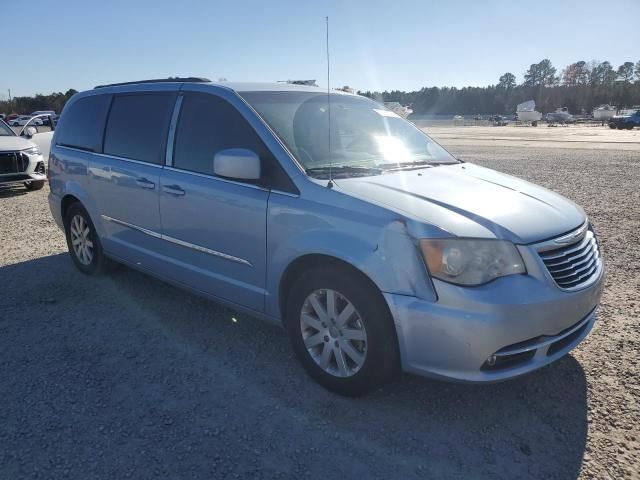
(214, 228)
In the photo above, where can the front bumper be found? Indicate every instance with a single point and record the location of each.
(33, 170)
(523, 321)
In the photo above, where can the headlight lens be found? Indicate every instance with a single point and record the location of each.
(32, 151)
(471, 261)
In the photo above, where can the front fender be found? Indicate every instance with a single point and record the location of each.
(377, 245)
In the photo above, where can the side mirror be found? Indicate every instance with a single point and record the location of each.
(30, 132)
(237, 163)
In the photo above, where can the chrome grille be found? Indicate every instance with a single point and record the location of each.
(573, 266)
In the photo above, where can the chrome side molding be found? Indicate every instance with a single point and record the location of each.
(177, 241)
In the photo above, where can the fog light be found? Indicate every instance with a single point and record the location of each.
(491, 361)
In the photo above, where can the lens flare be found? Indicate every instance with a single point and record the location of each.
(392, 149)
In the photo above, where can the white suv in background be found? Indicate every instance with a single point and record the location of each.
(21, 160)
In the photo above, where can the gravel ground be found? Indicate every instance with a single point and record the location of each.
(127, 377)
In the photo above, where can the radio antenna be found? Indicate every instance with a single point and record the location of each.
(330, 184)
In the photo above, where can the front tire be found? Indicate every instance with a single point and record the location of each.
(341, 331)
(34, 184)
(83, 242)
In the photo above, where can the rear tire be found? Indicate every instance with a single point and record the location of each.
(361, 347)
(83, 242)
(34, 185)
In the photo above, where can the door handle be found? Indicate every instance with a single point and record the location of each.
(173, 190)
(144, 183)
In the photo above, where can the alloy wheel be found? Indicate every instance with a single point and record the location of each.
(80, 241)
(333, 333)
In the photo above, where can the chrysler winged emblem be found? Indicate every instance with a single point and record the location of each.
(573, 236)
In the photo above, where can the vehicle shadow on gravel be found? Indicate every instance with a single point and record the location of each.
(13, 191)
(205, 390)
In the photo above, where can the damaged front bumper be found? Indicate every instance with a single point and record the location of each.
(493, 332)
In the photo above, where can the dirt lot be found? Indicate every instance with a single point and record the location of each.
(126, 377)
(543, 136)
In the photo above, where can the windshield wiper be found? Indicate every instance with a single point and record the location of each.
(408, 165)
(344, 169)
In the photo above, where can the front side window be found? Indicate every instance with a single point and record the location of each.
(138, 125)
(360, 133)
(82, 124)
(207, 125)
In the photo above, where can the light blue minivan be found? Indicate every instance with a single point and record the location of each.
(328, 214)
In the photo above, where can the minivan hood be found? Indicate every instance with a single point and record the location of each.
(467, 200)
(13, 144)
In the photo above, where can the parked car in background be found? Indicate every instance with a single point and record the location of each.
(23, 120)
(561, 115)
(47, 114)
(376, 250)
(497, 120)
(10, 117)
(43, 112)
(627, 122)
(42, 139)
(21, 161)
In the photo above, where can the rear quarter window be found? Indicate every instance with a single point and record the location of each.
(82, 124)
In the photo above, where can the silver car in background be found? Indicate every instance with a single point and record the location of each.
(331, 215)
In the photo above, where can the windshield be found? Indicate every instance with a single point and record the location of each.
(5, 130)
(364, 136)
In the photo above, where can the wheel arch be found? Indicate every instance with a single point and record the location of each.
(74, 192)
(66, 202)
(315, 260)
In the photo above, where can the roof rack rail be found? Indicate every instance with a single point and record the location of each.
(159, 80)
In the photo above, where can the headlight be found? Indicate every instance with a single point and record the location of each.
(32, 151)
(471, 261)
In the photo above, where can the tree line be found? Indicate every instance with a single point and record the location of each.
(26, 105)
(580, 87)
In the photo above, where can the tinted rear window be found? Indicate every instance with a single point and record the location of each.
(82, 124)
(137, 126)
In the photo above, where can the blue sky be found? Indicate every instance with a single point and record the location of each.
(374, 44)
